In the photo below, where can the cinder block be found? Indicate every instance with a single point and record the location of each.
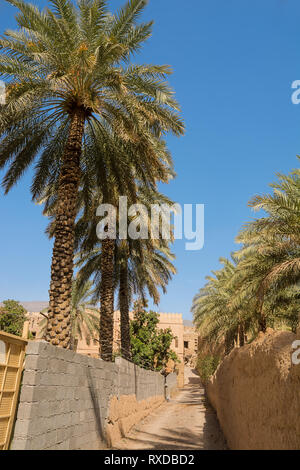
(77, 405)
(61, 353)
(69, 393)
(56, 379)
(96, 363)
(84, 360)
(62, 366)
(51, 423)
(44, 392)
(27, 410)
(63, 420)
(45, 378)
(61, 393)
(71, 368)
(75, 443)
(82, 381)
(27, 393)
(35, 347)
(38, 442)
(62, 445)
(75, 417)
(22, 428)
(69, 356)
(51, 438)
(68, 380)
(63, 434)
(44, 409)
(20, 444)
(63, 406)
(53, 364)
(35, 362)
(31, 377)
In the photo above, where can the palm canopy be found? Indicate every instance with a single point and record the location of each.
(137, 265)
(147, 270)
(110, 168)
(215, 315)
(84, 317)
(149, 261)
(68, 59)
(262, 287)
(270, 257)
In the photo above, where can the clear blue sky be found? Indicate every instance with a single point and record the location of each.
(234, 62)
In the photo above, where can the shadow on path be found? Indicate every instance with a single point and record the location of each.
(186, 422)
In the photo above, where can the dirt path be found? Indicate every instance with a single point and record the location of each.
(186, 422)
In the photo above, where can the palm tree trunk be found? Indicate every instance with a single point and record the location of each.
(262, 319)
(229, 342)
(59, 325)
(262, 322)
(241, 335)
(107, 300)
(124, 310)
(73, 343)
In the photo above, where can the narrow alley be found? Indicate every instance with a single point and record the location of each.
(186, 422)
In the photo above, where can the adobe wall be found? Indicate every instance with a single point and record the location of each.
(256, 393)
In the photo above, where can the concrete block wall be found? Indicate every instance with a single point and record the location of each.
(133, 380)
(65, 397)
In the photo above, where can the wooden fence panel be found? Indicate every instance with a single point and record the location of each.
(12, 353)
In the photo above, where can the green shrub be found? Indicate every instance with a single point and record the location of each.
(206, 366)
(12, 317)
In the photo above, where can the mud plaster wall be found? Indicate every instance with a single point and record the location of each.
(256, 393)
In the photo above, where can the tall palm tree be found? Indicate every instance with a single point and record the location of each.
(142, 265)
(140, 269)
(215, 315)
(262, 287)
(136, 266)
(270, 258)
(68, 74)
(121, 178)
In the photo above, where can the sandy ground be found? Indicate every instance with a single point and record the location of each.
(186, 422)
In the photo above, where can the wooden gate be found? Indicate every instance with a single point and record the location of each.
(12, 353)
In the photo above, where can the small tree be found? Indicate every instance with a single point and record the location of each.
(150, 346)
(12, 317)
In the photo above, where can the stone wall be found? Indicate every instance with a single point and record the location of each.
(70, 401)
(256, 393)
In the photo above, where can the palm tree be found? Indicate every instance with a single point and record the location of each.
(262, 287)
(140, 268)
(136, 266)
(68, 74)
(215, 315)
(142, 265)
(84, 317)
(270, 258)
(119, 180)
